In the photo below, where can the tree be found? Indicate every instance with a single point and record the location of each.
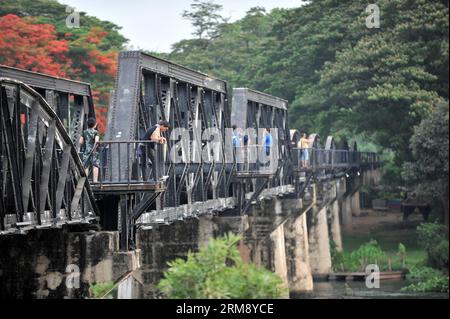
(236, 54)
(27, 45)
(218, 272)
(388, 82)
(92, 64)
(88, 53)
(205, 18)
(429, 172)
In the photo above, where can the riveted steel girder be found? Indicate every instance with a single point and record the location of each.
(42, 181)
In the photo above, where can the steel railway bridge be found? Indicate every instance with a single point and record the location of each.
(42, 179)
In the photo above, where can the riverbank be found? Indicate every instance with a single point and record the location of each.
(389, 289)
(389, 230)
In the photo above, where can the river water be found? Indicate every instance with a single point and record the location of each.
(132, 288)
(389, 289)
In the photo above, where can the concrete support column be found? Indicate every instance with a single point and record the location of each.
(206, 229)
(335, 224)
(340, 187)
(279, 253)
(346, 211)
(319, 242)
(301, 277)
(366, 176)
(356, 204)
(378, 173)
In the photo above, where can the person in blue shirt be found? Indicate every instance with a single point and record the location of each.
(236, 137)
(268, 140)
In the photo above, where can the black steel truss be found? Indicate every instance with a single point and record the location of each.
(42, 181)
(256, 110)
(71, 100)
(149, 90)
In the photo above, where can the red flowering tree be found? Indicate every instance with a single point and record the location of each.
(79, 54)
(101, 112)
(31, 46)
(99, 66)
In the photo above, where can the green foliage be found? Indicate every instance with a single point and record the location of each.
(427, 279)
(218, 272)
(235, 52)
(205, 17)
(434, 239)
(366, 254)
(402, 254)
(428, 174)
(337, 257)
(370, 253)
(100, 289)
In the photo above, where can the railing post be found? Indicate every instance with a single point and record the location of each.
(124, 222)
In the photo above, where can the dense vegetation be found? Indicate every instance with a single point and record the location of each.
(427, 279)
(99, 290)
(367, 254)
(428, 274)
(218, 272)
(434, 275)
(434, 239)
(427, 171)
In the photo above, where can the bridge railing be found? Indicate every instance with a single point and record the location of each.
(256, 159)
(314, 158)
(126, 162)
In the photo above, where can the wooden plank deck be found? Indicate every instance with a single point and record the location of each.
(361, 276)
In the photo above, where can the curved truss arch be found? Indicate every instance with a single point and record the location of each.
(353, 146)
(294, 137)
(42, 180)
(330, 143)
(314, 141)
(343, 144)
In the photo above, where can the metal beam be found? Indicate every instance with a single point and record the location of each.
(43, 81)
(44, 169)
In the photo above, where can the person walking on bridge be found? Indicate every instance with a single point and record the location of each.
(148, 151)
(90, 139)
(237, 149)
(303, 145)
(267, 145)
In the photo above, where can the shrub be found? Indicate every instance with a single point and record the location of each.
(337, 257)
(433, 238)
(369, 253)
(218, 272)
(427, 279)
(402, 254)
(366, 254)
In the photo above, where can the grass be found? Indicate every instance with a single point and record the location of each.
(99, 290)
